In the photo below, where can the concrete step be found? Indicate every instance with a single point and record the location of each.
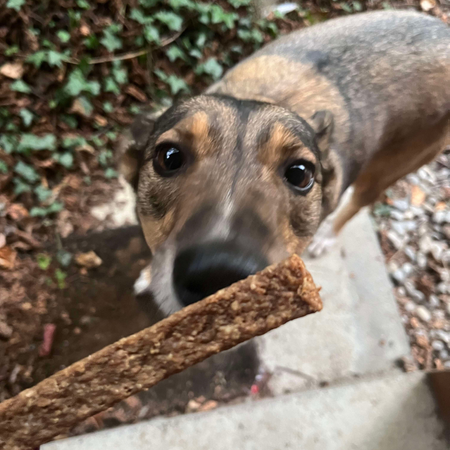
(359, 331)
(395, 412)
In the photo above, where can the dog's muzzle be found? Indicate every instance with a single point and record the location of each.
(202, 270)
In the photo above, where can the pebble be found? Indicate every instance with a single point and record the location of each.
(447, 364)
(410, 306)
(413, 178)
(401, 291)
(437, 250)
(448, 308)
(5, 330)
(442, 335)
(438, 345)
(443, 354)
(417, 211)
(433, 301)
(439, 217)
(401, 204)
(447, 216)
(410, 253)
(414, 293)
(423, 314)
(446, 231)
(407, 269)
(425, 244)
(399, 276)
(442, 288)
(402, 227)
(421, 260)
(395, 239)
(397, 215)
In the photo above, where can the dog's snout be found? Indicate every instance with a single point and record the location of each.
(202, 270)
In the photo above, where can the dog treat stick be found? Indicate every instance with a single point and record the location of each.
(246, 309)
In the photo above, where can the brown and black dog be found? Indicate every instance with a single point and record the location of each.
(242, 176)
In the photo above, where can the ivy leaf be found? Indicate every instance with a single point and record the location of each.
(219, 15)
(110, 173)
(20, 86)
(55, 58)
(238, 3)
(77, 83)
(12, 50)
(137, 15)
(151, 34)
(110, 40)
(148, 3)
(72, 142)
(108, 107)
(33, 142)
(43, 261)
(177, 4)
(26, 172)
(174, 52)
(60, 278)
(3, 167)
(65, 159)
(119, 74)
(83, 4)
(8, 143)
(15, 4)
(63, 36)
(27, 116)
(37, 58)
(170, 19)
(176, 84)
(42, 193)
(91, 42)
(111, 86)
(210, 67)
(20, 187)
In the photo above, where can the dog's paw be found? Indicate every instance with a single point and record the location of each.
(323, 241)
(142, 284)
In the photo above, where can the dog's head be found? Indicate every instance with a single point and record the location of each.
(224, 188)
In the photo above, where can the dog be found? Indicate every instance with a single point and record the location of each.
(242, 176)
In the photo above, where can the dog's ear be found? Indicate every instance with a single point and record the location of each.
(322, 124)
(131, 147)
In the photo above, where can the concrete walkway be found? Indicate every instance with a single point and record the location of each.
(352, 346)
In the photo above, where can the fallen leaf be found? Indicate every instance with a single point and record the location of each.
(440, 206)
(100, 120)
(88, 260)
(17, 212)
(5, 330)
(12, 70)
(49, 335)
(2, 240)
(7, 258)
(427, 5)
(85, 30)
(81, 107)
(136, 93)
(417, 196)
(208, 406)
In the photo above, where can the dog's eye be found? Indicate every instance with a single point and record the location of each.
(300, 175)
(168, 160)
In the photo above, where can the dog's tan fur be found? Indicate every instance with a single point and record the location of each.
(366, 99)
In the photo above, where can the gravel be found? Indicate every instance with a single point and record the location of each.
(414, 230)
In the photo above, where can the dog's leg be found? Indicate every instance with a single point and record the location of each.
(405, 158)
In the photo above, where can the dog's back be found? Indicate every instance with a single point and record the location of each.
(384, 75)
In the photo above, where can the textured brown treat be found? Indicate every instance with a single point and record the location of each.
(246, 309)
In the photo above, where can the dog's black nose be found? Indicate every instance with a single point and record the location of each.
(203, 270)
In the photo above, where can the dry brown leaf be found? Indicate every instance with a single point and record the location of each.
(100, 120)
(78, 108)
(85, 30)
(417, 196)
(12, 70)
(88, 260)
(2, 240)
(7, 258)
(440, 206)
(136, 93)
(17, 212)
